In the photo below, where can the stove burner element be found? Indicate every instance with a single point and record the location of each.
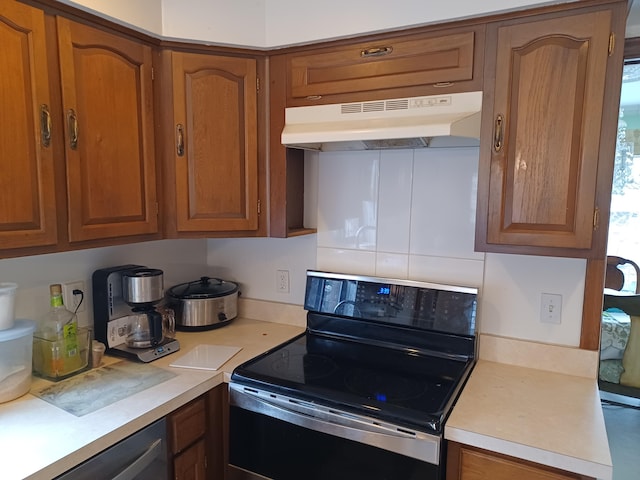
(383, 387)
(314, 366)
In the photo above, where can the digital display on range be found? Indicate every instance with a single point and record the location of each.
(421, 306)
(384, 290)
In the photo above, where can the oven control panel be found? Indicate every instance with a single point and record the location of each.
(419, 305)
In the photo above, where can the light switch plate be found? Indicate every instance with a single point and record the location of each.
(551, 308)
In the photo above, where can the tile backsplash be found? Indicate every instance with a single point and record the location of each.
(400, 213)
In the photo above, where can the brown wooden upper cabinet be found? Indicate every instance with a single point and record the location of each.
(545, 152)
(387, 66)
(212, 171)
(108, 108)
(27, 185)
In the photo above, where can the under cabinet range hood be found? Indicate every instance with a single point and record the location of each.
(451, 120)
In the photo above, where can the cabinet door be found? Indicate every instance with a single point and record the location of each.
(381, 64)
(540, 154)
(188, 424)
(27, 196)
(216, 154)
(107, 100)
(470, 463)
(191, 464)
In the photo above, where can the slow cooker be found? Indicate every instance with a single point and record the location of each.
(203, 304)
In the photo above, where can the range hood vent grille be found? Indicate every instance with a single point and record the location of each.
(416, 122)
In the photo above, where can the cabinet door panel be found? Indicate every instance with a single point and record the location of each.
(27, 192)
(410, 61)
(549, 90)
(471, 463)
(110, 171)
(216, 176)
(191, 464)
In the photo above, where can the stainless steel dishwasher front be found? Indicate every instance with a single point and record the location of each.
(142, 456)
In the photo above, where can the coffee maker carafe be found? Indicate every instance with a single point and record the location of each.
(125, 314)
(142, 289)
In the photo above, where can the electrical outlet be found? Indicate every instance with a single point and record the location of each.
(72, 301)
(282, 281)
(551, 308)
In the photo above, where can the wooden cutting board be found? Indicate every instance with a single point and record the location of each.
(206, 357)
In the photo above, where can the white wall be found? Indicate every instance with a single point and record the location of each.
(294, 21)
(144, 15)
(276, 23)
(253, 262)
(510, 299)
(418, 213)
(238, 22)
(180, 260)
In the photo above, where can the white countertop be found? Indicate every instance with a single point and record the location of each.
(41, 441)
(545, 417)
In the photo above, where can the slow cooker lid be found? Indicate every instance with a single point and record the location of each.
(206, 287)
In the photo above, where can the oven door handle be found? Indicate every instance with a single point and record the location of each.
(359, 428)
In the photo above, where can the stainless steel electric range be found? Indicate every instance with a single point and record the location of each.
(364, 393)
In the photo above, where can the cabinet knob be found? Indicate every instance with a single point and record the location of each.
(498, 133)
(180, 140)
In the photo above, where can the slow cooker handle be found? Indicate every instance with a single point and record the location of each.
(205, 280)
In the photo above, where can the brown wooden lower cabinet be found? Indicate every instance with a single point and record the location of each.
(191, 464)
(196, 437)
(470, 463)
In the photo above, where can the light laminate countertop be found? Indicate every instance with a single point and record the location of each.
(544, 417)
(41, 441)
(548, 418)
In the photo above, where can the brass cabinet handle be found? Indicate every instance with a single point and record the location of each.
(72, 123)
(375, 52)
(498, 133)
(180, 140)
(45, 125)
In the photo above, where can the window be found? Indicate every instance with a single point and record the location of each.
(624, 222)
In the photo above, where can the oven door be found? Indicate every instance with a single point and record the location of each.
(281, 438)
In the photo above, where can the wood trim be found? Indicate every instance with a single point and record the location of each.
(277, 156)
(632, 48)
(595, 269)
(592, 305)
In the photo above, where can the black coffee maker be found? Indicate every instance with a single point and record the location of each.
(125, 314)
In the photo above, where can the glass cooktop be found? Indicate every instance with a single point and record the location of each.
(402, 386)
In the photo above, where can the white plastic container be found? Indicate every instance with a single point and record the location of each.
(7, 304)
(16, 347)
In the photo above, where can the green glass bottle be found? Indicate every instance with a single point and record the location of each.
(61, 327)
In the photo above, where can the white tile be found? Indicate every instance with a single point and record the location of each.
(346, 261)
(394, 201)
(348, 199)
(451, 271)
(510, 301)
(444, 202)
(392, 265)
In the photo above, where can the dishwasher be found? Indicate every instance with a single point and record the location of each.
(142, 456)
